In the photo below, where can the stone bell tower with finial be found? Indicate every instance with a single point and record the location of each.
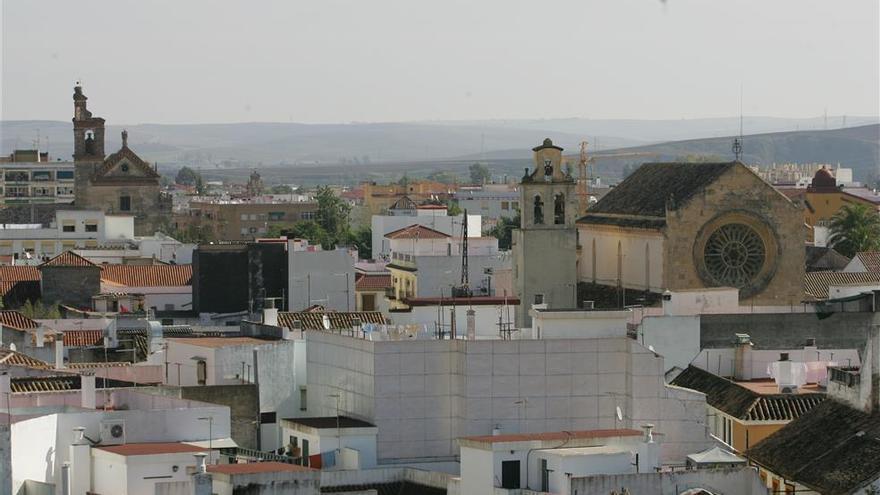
(545, 245)
(88, 131)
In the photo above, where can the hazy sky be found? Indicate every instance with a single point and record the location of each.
(392, 60)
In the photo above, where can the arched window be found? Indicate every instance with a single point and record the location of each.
(539, 210)
(559, 209)
(90, 143)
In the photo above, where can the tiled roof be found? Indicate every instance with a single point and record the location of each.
(416, 232)
(83, 338)
(824, 259)
(148, 275)
(816, 283)
(555, 435)
(404, 203)
(652, 188)
(368, 282)
(338, 320)
(131, 157)
(151, 448)
(745, 404)
(97, 364)
(833, 450)
(871, 260)
(45, 383)
(68, 258)
(257, 468)
(19, 274)
(13, 358)
(391, 488)
(16, 320)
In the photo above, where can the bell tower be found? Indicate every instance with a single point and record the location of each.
(88, 131)
(545, 245)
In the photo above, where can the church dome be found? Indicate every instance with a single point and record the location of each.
(823, 179)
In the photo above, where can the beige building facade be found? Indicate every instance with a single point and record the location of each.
(678, 226)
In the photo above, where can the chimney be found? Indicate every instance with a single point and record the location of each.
(471, 324)
(87, 390)
(59, 351)
(65, 478)
(742, 359)
(202, 484)
(39, 336)
(80, 463)
(356, 327)
(649, 432)
(648, 452)
(270, 313)
(5, 385)
(811, 352)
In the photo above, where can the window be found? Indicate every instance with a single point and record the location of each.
(539, 210)
(510, 475)
(505, 205)
(303, 399)
(68, 228)
(42, 175)
(244, 216)
(307, 215)
(539, 298)
(244, 231)
(91, 227)
(64, 174)
(368, 302)
(124, 203)
(559, 209)
(267, 418)
(202, 372)
(17, 176)
(276, 215)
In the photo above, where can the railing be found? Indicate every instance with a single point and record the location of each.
(847, 376)
(255, 455)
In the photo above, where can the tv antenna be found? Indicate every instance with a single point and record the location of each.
(738, 141)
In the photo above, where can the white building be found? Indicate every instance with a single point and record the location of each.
(318, 277)
(44, 436)
(340, 442)
(492, 204)
(435, 219)
(423, 394)
(71, 229)
(30, 178)
(277, 366)
(546, 462)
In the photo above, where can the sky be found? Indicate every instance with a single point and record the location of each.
(320, 61)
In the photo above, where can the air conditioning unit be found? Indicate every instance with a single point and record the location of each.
(113, 432)
(788, 389)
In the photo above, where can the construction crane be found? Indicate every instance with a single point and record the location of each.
(464, 288)
(586, 179)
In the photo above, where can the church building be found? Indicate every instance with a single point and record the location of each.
(683, 226)
(121, 183)
(545, 245)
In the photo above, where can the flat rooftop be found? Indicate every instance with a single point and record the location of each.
(556, 435)
(131, 449)
(257, 468)
(330, 422)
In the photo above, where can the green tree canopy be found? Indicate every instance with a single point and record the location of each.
(333, 213)
(187, 177)
(855, 228)
(281, 189)
(503, 231)
(443, 176)
(480, 173)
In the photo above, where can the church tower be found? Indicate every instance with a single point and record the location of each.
(545, 245)
(88, 131)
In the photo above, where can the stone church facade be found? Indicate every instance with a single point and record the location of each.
(121, 183)
(688, 226)
(545, 245)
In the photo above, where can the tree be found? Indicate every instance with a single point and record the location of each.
(453, 209)
(362, 239)
(480, 173)
(281, 189)
(855, 228)
(187, 177)
(503, 231)
(444, 176)
(333, 213)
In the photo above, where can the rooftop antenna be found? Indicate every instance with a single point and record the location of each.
(738, 141)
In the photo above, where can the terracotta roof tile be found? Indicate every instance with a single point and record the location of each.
(816, 283)
(871, 260)
(367, 282)
(68, 258)
(148, 275)
(339, 320)
(83, 338)
(16, 320)
(19, 274)
(416, 232)
(151, 448)
(14, 358)
(215, 342)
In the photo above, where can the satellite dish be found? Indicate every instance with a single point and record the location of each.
(12, 347)
(619, 413)
(326, 322)
(651, 348)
